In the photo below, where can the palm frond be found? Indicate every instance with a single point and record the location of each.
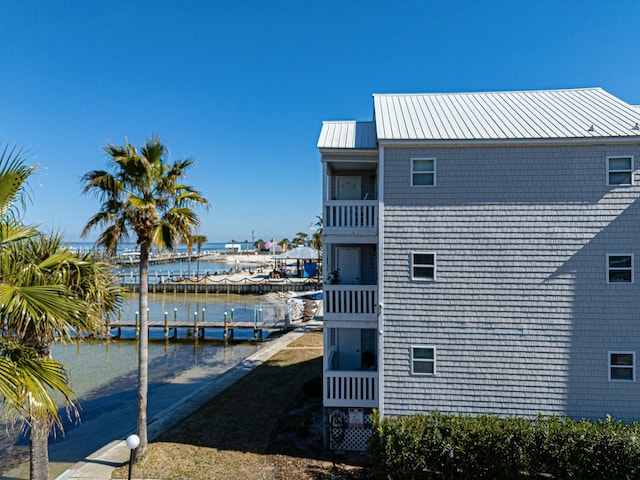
(154, 151)
(103, 184)
(13, 175)
(29, 385)
(154, 203)
(13, 231)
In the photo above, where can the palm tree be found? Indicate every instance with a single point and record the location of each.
(300, 238)
(49, 293)
(145, 194)
(46, 292)
(29, 386)
(199, 240)
(28, 383)
(316, 237)
(189, 241)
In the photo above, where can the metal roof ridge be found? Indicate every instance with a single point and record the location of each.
(483, 92)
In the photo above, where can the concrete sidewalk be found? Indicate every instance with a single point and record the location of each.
(100, 464)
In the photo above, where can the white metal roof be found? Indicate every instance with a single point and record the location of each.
(348, 134)
(537, 114)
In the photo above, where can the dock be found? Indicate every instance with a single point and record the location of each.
(224, 284)
(132, 258)
(197, 329)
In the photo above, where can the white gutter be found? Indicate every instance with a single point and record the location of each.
(631, 139)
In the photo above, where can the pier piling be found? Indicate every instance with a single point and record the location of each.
(166, 325)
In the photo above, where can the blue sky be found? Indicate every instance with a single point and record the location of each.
(243, 86)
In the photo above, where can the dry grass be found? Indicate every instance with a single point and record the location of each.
(247, 432)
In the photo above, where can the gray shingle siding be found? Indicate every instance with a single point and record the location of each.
(520, 312)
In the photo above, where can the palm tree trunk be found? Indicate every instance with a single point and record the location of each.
(143, 351)
(39, 449)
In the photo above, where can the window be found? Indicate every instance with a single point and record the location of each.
(423, 172)
(423, 266)
(620, 170)
(620, 268)
(622, 366)
(423, 360)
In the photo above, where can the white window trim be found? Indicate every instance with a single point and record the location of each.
(614, 171)
(633, 273)
(413, 347)
(632, 366)
(423, 279)
(434, 171)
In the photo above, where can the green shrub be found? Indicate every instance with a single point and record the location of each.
(488, 447)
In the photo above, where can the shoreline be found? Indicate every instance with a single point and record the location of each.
(243, 258)
(89, 428)
(100, 464)
(183, 399)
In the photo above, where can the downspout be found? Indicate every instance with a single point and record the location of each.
(380, 305)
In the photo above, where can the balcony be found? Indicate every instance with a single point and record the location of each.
(350, 302)
(350, 217)
(350, 389)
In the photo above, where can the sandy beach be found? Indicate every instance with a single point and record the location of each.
(245, 259)
(249, 265)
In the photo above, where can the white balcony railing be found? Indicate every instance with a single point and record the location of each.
(350, 302)
(350, 389)
(350, 217)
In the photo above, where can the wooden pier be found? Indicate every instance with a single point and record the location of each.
(198, 328)
(246, 285)
(128, 260)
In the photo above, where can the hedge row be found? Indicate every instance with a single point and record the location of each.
(439, 446)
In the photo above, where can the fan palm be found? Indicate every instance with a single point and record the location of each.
(143, 194)
(29, 388)
(28, 383)
(316, 237)
(46, 293)
(199, 240)
(189, 241)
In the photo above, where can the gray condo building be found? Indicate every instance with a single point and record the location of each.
(480, 255)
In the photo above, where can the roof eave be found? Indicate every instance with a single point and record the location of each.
(631, 139)
(348, 151)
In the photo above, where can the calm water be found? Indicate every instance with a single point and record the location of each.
(211, 307)
(183, 269)
(104, 373)
(207, 247)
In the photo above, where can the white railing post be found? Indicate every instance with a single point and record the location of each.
(350, 214)
(350, 388)
(356, 301)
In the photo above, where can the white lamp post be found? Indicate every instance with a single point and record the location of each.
(132, 442)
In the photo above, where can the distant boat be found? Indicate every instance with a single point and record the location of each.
(234, 246)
